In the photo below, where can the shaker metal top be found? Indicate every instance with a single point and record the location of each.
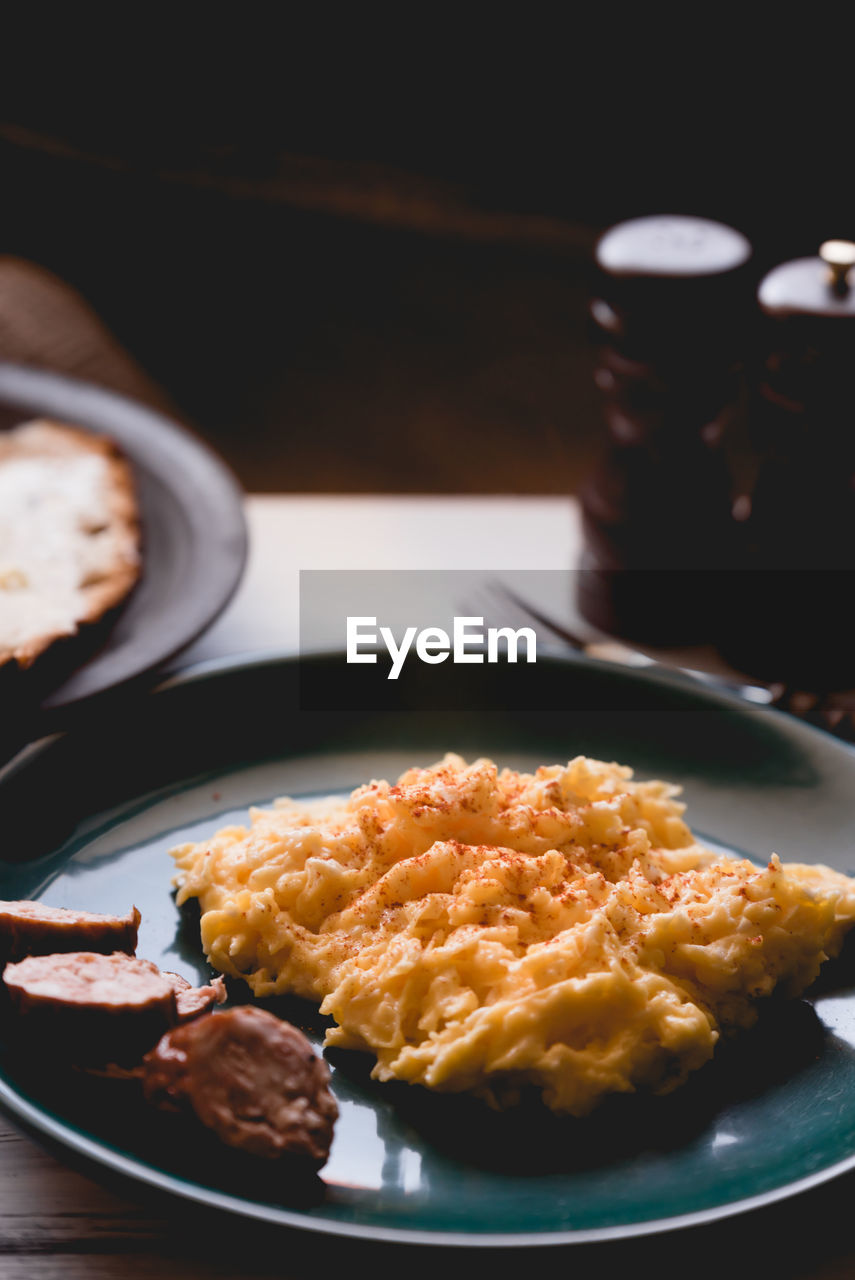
(840, 258)
(821, 286)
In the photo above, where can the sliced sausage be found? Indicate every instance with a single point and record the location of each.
(89, 1007)
(253, 1079)
(192, 1001)
(33, 929)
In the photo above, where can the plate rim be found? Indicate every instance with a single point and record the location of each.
(43, 1126)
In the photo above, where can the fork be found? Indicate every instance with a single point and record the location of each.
(499, 605)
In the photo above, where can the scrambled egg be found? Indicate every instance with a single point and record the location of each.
(484, 930)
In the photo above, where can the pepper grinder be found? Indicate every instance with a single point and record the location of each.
(671, 320)
(791, 614)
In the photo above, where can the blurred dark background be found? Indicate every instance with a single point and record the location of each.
(363, 264)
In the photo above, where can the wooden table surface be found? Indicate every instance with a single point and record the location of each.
(63, 1223)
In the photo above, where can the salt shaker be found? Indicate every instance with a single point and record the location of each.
(671, 318)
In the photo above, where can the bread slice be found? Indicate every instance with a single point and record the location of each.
(69, 535)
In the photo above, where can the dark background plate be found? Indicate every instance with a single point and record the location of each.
(774, 1114)
(193, 528)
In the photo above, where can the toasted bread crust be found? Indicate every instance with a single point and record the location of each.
(114, 520)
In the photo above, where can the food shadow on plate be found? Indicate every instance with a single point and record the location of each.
(114, 1111)
(526, 1140)
(838, 974)
(529, 1139)
(788, 1038)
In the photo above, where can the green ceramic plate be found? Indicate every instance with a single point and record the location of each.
(88, 821)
